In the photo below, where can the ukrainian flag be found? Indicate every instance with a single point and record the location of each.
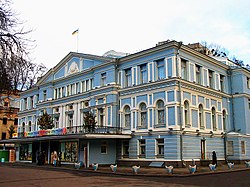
(75, 32)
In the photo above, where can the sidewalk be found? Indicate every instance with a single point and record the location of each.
(144, 171)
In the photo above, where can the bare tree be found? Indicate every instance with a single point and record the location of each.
(17, 72)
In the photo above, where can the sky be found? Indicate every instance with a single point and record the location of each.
(132, 25)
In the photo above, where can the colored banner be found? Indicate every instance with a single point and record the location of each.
(48, 132)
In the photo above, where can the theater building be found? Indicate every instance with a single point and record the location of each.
(168, 103)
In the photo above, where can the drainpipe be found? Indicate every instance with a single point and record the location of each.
(180, 111)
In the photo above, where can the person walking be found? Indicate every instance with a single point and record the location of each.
(214, 157)
(54, 158)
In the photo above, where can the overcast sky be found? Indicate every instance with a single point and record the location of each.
(133, 25)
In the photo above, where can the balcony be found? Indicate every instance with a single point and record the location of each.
(97, 130)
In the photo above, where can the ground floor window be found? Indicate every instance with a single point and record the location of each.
(160, 147)
(243, 147)
(104, 147)
(25, 152)
(142, 148)
(230, 148)
(69, 151)
(125, 149)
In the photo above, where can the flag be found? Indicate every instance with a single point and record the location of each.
(75, 32)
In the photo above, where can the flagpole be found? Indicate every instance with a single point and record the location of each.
(77, 43)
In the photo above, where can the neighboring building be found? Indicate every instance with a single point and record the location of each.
(9, 107)
(168, 103)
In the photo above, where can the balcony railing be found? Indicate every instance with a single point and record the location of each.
(97, 130)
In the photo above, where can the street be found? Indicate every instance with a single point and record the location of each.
(46, 177)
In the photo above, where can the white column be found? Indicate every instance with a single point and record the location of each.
(75, 114)
(61, 117)
(78, 122)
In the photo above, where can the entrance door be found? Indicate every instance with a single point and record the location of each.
(203, 149)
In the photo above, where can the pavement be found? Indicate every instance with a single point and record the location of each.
(143, 171)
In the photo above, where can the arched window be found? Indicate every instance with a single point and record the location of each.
(224, 120)
(214, 119)
(127, 116)
(29, 126)
(186, 114)
(160, 109)
(143, 115)
(201, 117)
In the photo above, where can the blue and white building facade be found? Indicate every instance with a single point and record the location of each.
(168, 103)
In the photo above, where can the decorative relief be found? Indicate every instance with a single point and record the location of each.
(73, 68)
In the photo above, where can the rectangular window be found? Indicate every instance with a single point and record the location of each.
(248, 82)
(56, 122)
(143, 74)
(128, 78)
(5, 121)
(103, 79)
(77, 88)
(222, 83)
(104, 147)
(69, 151)
(230, 148)
(249, 103)
(210, 80)
(142, 148)
(3, 135)
(101, 117)
(73, 89)
(83, 86)
(125, 149)
(70, 120)
(160, 147)
(160, 69)
(243, 147)
(63, 91)
(91, 84)
(44, 95)
(198, 74)
(183, 69)
(87, 85)
(16, 121)
(68, 90)
(25, 103)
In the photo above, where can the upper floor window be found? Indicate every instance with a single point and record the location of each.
(143, 115)
(143, 73)
(224, 119)
(6, 104)
(249, 103)
(91, 83)
(160, 69)
(127, 116)
(23, 127)
(103, 79)
(101, 117)
(214, 119)
(186, 114)
(183, 69)
(128, 77)
(25, 103)
(198, 74)
(16, 121)
(44, 95)
(70, 120)
(87, 85)
(201, 116)
(5, 121)
(160, 112)
(248, 82)
(210, 79)
(222, 77)
(30, 127)
(56, 121)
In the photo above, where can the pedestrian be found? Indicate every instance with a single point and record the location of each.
(54, 158)
(59, 158)
(214, 157)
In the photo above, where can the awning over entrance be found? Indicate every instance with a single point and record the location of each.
(65, 137)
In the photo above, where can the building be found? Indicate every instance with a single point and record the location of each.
(9, 107)
(168, 103)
